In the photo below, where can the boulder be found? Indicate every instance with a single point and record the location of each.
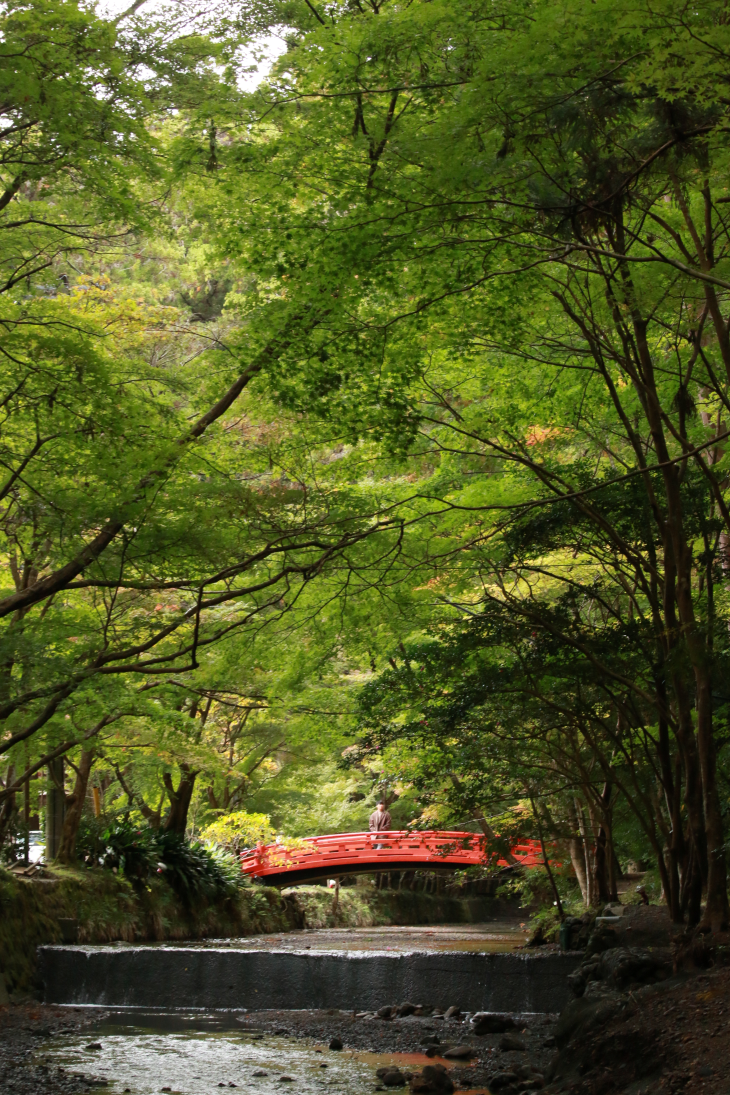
(452, 1013)
(406, 1009)
(621, 968)
(586, 1013)
(628, 966)
(491, 1022)
(645, 926)
(575, 932)
(510, 1043)
(336, 1043)
(386, 1012)
(432, 1080)
(602, 938)
(457, 1052)
(502, 1079)
(391, 1076)
(531, 1079)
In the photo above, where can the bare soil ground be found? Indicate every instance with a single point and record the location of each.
(674, 1039)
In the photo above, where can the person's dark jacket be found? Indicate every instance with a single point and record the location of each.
(379, 822)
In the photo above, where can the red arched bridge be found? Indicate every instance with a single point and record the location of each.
(360, 853)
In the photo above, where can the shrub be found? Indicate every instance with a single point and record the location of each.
(91, 839)
(194, 871)
(131, 849)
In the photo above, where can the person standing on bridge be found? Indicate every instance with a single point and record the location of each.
(379, 820)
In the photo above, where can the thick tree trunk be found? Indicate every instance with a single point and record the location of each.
(8, 807)
(74, 808)
(55, 806)
(177, 819)
(603, 851)
(671, 776)
(603, 890)
(691, 890)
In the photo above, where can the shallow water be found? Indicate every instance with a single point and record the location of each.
(499, 936)
(201, 1055)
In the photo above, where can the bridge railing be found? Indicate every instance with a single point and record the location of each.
(424, 849)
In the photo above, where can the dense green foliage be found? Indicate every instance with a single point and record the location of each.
(368, 430)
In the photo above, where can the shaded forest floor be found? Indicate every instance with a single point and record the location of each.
(671, 1038)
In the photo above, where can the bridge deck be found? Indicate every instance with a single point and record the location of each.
(360, 853)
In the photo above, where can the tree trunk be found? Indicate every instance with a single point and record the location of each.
(153, 816)
(577, 854)
(603, 848)
(577, 858)
(671, 781)
(8, 807)
(717, 912)
(74, 809)
(55, 807)
(691, 889)
(177, 819)
(587, 857)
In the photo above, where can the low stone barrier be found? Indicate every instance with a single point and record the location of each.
(158, 976)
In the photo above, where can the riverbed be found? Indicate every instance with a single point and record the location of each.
(192, 1048)
(187, 1053)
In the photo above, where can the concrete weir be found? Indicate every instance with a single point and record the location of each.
(158, 976)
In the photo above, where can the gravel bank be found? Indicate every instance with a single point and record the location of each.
(23, 1028)
(411, 1036)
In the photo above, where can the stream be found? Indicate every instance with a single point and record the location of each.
(188, 1054)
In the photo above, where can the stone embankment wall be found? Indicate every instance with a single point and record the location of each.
(101, 907)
